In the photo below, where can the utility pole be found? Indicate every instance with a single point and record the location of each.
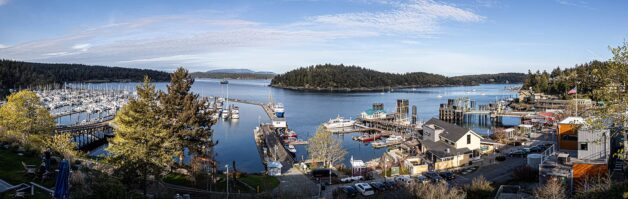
(227, 180)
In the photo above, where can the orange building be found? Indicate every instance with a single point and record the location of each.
(567, 134)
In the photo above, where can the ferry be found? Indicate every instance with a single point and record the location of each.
(339, 122)
(367, 138)
(279, 110)
(224, 81)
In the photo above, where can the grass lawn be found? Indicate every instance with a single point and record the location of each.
(264, 183)
(12, 171)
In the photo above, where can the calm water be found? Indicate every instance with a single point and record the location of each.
(305, 111)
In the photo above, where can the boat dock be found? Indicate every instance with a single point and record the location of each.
(271, 148)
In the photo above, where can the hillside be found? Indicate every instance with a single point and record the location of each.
(15, 74)
(233, 74)
(354, 78)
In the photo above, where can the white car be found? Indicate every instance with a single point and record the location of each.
(351, 179)
(365, 189)
(405, 180)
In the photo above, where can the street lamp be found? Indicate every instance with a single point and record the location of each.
(227, 166)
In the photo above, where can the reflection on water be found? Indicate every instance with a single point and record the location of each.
(305, 111)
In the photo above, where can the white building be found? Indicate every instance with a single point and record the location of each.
(593, 144)
(373, 114)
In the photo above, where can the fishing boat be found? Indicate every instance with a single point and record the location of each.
(394, 139)
(224, 81)
(339, 122)
(378, 144)
(367, 138)
(279, 110)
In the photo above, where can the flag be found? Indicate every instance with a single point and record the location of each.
(572, 91)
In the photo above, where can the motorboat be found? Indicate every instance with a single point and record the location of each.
(224, 81)
(394, 139)
(339, 122)
(290, 133)
(279, 110)
(292, 149)
(235, 112)
(225, 114)
(367, 138)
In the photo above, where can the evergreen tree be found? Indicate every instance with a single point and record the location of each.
(141, 147)
(183, 115)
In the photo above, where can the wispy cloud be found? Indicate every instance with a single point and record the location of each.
(3, 2)
(574, 3)
(422, 17)
(160, 41)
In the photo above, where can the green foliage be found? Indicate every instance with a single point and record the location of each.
(340, 77)
(16, 74)
(63, 144)
(141, 147)
(23, 118)
(182, 115)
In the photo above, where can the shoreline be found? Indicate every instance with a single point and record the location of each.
(362, 89)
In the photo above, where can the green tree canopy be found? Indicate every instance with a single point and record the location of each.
(24, 116)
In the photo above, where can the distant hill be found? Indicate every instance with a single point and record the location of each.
(330, 77)
(19, 74)
(234, 74)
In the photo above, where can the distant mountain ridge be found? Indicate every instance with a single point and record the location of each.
(234, 74)
(238, 71)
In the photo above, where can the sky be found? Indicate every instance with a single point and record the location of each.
(452, 37)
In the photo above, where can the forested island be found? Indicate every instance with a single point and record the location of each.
(233, 74)
(329, 77)
(16, 74)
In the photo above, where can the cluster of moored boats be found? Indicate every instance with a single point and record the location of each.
(216, 106)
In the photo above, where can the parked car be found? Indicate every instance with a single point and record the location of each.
(390, 185)
(537, 149)
(422, 179)
(517, 153)
(378, 186)
(351, 179)
(447, 175)
(365, 189)
(525, 149)
(349, 191)
(403, 180)
(433, 176)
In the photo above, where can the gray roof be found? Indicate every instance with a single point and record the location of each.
(452, 132)
(439, 148)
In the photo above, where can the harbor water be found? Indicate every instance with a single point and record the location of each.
(305, 111)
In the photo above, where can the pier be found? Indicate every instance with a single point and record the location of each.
(271, 148)
(89, 135)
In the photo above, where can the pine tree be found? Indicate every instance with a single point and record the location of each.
(141, 147)
(183, 115)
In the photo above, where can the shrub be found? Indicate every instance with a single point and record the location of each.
(525, 173)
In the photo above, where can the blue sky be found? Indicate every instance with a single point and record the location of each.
(445, 37)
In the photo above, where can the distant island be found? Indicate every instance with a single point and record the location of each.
(19, 74)
(234, 74)
(329, 77)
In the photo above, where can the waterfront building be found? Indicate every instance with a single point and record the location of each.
(373, 114)
(447, 145)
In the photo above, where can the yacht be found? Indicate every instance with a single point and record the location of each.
(225, 114)
(394, 139)
(339, 122)
(235, 112)
(224, 81)
(292, 149)
(439, 96)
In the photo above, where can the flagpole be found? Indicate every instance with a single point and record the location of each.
(576, 98)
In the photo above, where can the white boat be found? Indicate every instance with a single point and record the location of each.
(339, 122)
(292, 149)
(394, 139)
(279, 110)
(439, 96)
(225, 114)
(235, 112)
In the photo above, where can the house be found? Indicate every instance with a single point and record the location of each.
(415, 166)
(567, 134)
(448, 145)
(373, 114)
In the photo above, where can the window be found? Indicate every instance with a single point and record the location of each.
(469, 139)
(584, 146)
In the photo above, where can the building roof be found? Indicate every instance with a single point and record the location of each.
(452, 132)
(440, 148)
(572, 120)
(373, 111)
